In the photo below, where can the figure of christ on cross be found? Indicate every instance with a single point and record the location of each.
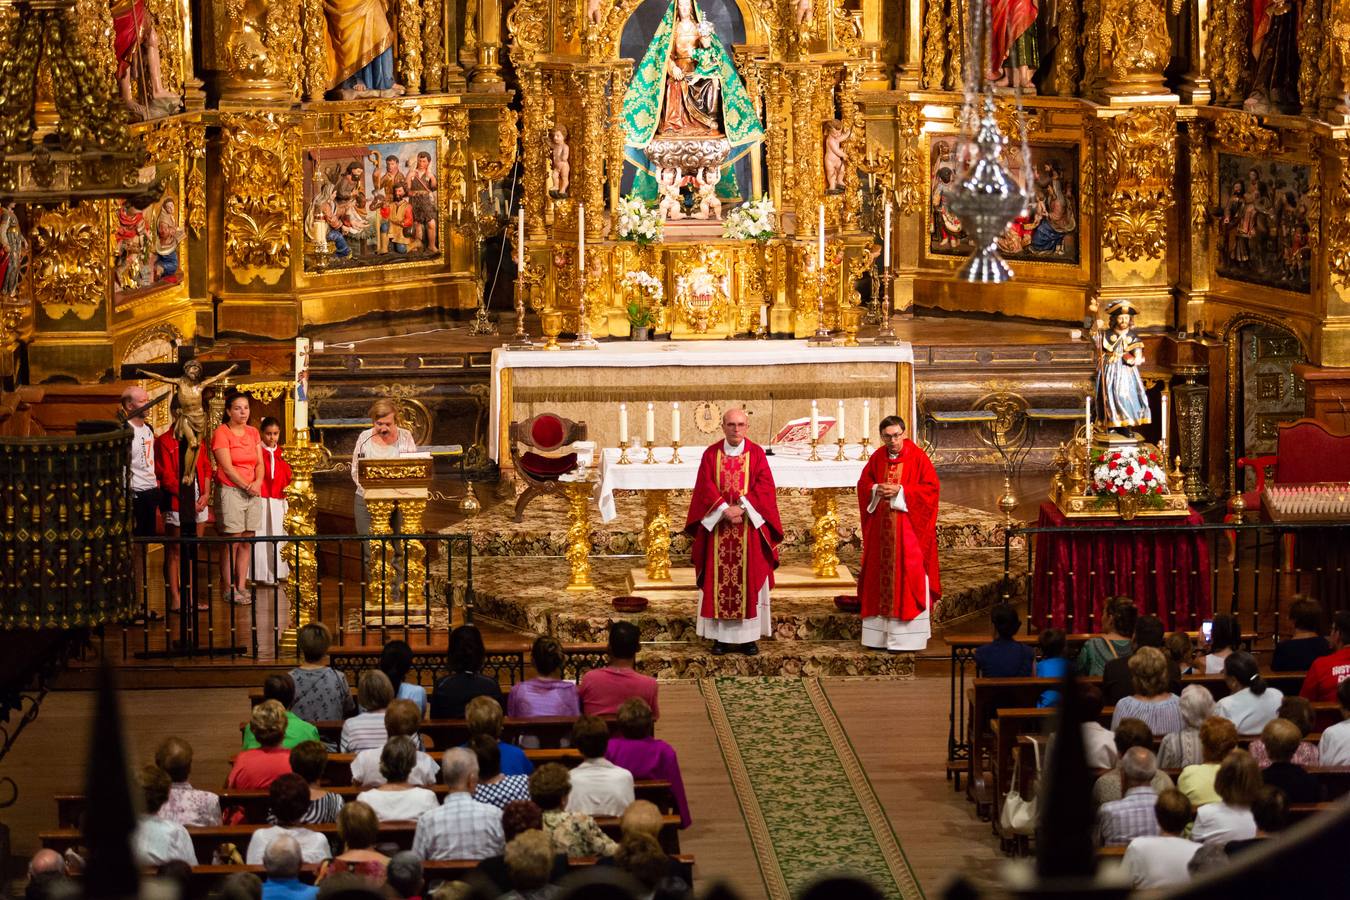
(733, 518)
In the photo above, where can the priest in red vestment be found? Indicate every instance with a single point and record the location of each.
(733, 518)
(898, 584)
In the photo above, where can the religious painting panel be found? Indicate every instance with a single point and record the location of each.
(148, 238)
(1047, 231)
(372, 205)
(1262, 227)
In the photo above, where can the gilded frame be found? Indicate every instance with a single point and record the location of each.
(166, 140)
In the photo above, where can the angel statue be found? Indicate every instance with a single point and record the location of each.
(1121, 400)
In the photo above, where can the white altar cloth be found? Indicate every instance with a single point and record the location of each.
(630, 354)
(789, 468)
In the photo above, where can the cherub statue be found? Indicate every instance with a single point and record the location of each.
(191, 421)
(806, 13)
(560, 162)
(709, 207)
(669, 188)
(836, 157)
(594, 11)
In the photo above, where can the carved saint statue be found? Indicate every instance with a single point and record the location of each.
(140, 71)
(1013, 52)
(191, 422)
(1275, 49)
(836, 157)
(13, 251)
(1121, 401)
(360, 49)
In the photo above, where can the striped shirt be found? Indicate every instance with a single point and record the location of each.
(364, 731)
(1161, 716)
(325, 809)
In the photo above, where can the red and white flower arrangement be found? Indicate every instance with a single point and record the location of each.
(1129, 470)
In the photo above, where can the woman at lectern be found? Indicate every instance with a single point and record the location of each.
(384, 439)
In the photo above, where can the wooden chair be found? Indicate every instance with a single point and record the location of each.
(545, 439)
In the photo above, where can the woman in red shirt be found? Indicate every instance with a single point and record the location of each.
(237, 447)
(166, 473)
(269, 562)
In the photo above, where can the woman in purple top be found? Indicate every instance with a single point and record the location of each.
(636, 750)
(547, 694)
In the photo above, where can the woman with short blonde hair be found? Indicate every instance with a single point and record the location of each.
(1237, 783)
(384, 439)
(1151, 702)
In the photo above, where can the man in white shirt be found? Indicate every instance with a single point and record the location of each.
(144, 485)
(599, 788)
(158, 840)
(401, 718)
(461, 828)
(1335, 745)
(1160, 861)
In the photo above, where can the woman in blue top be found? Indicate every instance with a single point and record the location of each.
(1052, 664)
(395, 661)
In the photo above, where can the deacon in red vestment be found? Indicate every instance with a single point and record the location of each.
(733, 518)
(898, 584)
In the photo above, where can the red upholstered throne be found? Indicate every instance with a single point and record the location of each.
(1305, 451)
(540, 452)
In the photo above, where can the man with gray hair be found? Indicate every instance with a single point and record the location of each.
(281, 861)
(404, 875)
(461, 827)
(1121, 821)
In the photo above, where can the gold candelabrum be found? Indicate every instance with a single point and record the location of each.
(400, 484)
(623, 454)
(675, 453)
(822, 336)
(885, 336)
(840, 457)
(521, 339)
(815, 456)
(584, 341)
(863, 453)
(651, 456)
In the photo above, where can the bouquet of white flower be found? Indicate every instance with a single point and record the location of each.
(639, 222)
(751, 221)
(647, 286)
(1130, 470)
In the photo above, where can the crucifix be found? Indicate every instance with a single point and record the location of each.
(190, 378)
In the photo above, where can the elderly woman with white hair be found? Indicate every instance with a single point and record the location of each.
(1182, 748)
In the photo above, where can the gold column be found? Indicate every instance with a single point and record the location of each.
(579, 535)
(302, 589)
(487, 73)
(381, 569)
(825, 532)
(656, 535)
(258, 50)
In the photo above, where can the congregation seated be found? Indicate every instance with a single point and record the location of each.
(494, 787)
(288, 796)
(1334, 748)
(1270, 812)
(1099, 742)
(186, 805)
(519, 817)
(365, 730)
(643, 819)
(1225, 636)
(599, 787)
(358, 829)
(603, 691)
(241, 886)
(281, 688)
(1118, 683)
(158, 840)
(397, 800)
(1181, 650)
(47, 877)
(461, 827)
(466, 679)
(1004, 657)
(257, 769)
(1281, 739)
(547, 694)
(529, 858)
(1237, 784)
(646, 757)
(1160, 860)
(1052, 663)
(1218, 737)
(322, 693)
(1152, 703)
(483, 715)
(1250, 703)
(1119, 616)
(1300, 712)
(1130, 733)
(308, 760)
(396, 659)
(401, 719)
(641, 856)
(1121, 821)
(281, 861)
(403, 876)
(573, 833)
(1328, 672)
(1180, 749)
(1298, 652)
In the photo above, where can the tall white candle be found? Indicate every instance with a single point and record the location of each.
(843, 432)
(581, 237)
(867, 418)
(651, 424)
(886, 239)
(1164, 421)
(675, 421)
(623, 424)
(520, 241)
(815, 420)
(820, 253)
(764, 315)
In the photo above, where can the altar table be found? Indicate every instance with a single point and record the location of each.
(1167, 573)
(774, 380)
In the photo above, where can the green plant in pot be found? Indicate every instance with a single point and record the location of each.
(640, 320)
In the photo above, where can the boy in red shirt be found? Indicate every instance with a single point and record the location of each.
(1327, 672)
(269, 559)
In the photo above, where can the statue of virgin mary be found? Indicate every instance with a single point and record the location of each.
(686, 87)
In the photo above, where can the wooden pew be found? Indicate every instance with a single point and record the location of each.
(338, 772)
(205, 840)
(70, 807)
(551, 731)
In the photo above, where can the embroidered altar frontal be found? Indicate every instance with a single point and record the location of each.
(775, 381)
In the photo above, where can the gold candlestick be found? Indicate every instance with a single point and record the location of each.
(863, 453)
(623, 456)
(814, 457)
(675, 453)
(521, 339)
(651, 457)
(822, 336)
(886, 334)
(584, 340)
(840, 457)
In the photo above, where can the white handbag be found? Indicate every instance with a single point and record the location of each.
(1019, 814)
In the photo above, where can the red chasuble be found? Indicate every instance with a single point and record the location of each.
(899, 548)
(732, 561)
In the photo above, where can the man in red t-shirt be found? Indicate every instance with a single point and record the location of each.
(603, 691)
(1327, 672)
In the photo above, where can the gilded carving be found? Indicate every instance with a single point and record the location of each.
(1226, 50)
(527, 26)
(1135, 41)
(1137, 153)
(1244, 133)
(409, 54)
(911, 182)
(433, 45)
(1201, 175)
(1067, 69)
(263, 42)
(196, 178)
(163, 141)
(257, 164)
(70, 259)
(315, 63)
(934, 47)
(1310, 40)
(1338, 225)
(507, 141)
(378, 121)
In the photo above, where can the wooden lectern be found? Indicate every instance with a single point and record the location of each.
(391, 484)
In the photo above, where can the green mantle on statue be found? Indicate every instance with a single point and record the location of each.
(642, 107)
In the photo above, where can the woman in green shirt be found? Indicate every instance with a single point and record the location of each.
(1119, 615)
(281, 688)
